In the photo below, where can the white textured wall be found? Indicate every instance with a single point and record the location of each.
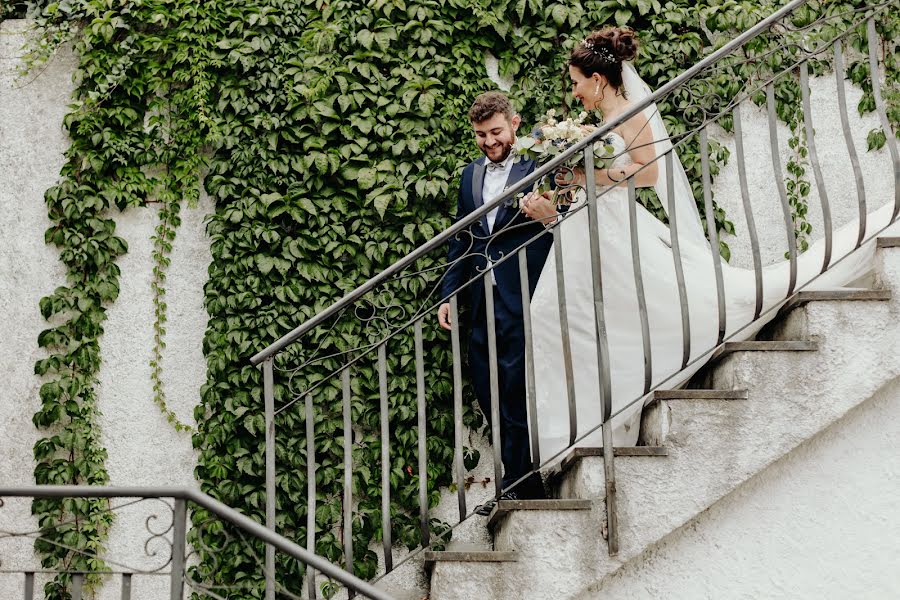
(834, 158)
(143, 448)
(822, 523)
(31, 145)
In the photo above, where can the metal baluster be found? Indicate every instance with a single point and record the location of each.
(639, 285)
(679, 268)
(77, 585)
(29, 586)
(179, 530)
(348, 474)
(612, 521)
(310, 492)
(814, 160)
(126, 586)
(458, 470)
(495, 384)
(713, 233)
(269, 401)
(564, 331)
(779, 182)
(423, 422)
(385, 460)
(848, 139)
(748, 211)
(872, 39)
(530, 389)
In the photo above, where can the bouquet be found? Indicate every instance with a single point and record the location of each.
(552, 137)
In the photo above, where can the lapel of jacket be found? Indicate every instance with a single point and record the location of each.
(519, 170)
(477, 185)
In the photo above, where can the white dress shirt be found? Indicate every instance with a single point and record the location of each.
(495, 177)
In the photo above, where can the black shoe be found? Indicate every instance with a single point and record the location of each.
(485, 509)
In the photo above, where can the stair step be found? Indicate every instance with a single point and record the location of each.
(844, 295)
(688, 394)
(576, 454)
(483, 556)
(764, 346)
(505, 507)
(889, 242)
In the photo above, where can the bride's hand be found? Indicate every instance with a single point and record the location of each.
(540, 207)
(570, 177)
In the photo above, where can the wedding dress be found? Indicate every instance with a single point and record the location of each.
(622, 316)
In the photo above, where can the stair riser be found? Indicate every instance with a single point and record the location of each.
(467, 581)
(887, 268)
(557, 550)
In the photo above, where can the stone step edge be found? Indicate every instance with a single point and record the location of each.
(505, 507)
(576, 454)
(763, 346)
(888, 242)
(835, 295)
(695, 394)
(480, 556)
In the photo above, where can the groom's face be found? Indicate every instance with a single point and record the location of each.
(495, 135)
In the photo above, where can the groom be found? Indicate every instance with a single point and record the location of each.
(498, 234)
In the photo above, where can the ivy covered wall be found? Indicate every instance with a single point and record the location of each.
(330, 136)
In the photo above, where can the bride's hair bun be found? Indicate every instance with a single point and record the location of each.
(621, 42)
(624, 42)
(603, 51)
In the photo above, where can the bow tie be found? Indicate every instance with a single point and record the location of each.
(492, 166)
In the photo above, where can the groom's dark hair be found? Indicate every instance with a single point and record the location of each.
(488, 104)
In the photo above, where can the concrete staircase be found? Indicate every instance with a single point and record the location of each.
(828, 352)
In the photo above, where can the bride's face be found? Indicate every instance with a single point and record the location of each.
(585, 88)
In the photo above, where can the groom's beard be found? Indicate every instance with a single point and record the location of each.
(505, 151)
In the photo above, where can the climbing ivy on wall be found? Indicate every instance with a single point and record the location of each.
(135, 127)
(330, 136)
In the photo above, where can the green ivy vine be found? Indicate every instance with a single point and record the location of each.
(136, 131)
(330, 136)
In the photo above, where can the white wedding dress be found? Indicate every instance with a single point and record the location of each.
(622, 316)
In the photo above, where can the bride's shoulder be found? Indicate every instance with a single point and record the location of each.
(634, 127)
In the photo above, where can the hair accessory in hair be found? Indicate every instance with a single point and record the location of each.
(602, 52)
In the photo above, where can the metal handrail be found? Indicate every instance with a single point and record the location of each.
(526, 183)
(221, 510)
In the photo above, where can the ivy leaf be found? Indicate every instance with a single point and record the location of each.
(265, 264)
(308, 205)
(876, 139)
(623, 17)
(426, 104)
(367, 178)
(559, 12)
(365, 38)
(381, 203)
(520, 8)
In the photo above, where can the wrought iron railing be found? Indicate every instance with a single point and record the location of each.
(289, 392)
(169, 550)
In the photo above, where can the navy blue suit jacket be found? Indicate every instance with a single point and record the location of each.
(512, 228)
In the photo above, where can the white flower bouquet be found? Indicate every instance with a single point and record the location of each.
(552, 137)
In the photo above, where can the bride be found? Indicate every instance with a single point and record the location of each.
(603, 79)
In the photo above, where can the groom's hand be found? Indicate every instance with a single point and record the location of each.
(444, 316)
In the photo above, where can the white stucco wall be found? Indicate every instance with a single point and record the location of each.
(143, 448)
(823, 522)
(834, 158)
